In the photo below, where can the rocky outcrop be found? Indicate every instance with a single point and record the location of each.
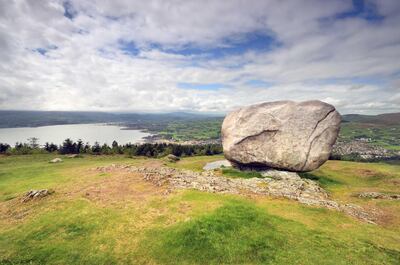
(275, 183)
(283, 135)
(379, 195)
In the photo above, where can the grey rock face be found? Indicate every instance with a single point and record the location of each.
(282, 134)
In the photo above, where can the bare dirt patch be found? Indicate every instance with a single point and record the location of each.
(120, 186)
(369, 174)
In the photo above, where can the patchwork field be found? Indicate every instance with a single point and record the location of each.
(118, 218)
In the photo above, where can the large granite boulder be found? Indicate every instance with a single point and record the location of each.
(283, 135)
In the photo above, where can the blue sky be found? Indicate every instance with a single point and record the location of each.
(205, 56)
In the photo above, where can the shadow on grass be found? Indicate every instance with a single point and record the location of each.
(235, 173)
(322, 180)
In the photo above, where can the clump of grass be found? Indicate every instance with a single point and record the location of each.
(235, 173)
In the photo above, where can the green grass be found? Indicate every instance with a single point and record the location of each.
(69, 234)
(344, 177)
(235, 173)
(187, 227)
(324, 181)
(203, 129)
(21, 173)
(241, 233)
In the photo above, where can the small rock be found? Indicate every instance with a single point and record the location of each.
(172, 158)
(280, 174)
(56, 160)
(35, 194)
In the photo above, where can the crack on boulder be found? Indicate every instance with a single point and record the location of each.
(309, 148)
(318, 122)
(315, 138)
(272, 132)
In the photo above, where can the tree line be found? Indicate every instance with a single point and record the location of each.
(79, 147)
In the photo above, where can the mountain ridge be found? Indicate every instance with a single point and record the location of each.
(24, 118)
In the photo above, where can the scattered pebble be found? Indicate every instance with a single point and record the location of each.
(379, 195)
(36, 194)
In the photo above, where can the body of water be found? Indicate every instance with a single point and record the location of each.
(91, 133)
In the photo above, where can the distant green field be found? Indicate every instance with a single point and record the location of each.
(387, 136)
(117, 218)
(203, 129)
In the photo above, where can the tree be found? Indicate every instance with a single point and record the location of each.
(116, 149)
(177, 150)
(79, 146)
(105, 149)
(50, 147)
(96, 149)
(68, 147)
(4, 148)
(33, 142)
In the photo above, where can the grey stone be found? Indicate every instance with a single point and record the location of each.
(217, 164)
(55, 160)
(172, 158)
(35, 194)
(283, 135)
(280, 174)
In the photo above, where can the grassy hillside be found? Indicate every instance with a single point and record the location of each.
(203, 129)
(381, 119)
(116, 218)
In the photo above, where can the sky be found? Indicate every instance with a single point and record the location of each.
(198, 56)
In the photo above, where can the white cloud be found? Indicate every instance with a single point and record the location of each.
(315, 56)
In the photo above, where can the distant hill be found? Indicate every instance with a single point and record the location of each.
(381, 119)
(12, 119)
(381, 130)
